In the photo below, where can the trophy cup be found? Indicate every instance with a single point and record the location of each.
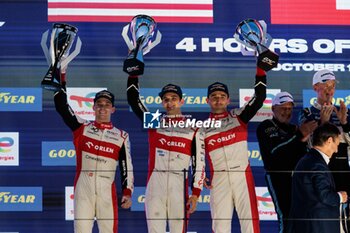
(142, 29)
(62, 38)
(252, 34)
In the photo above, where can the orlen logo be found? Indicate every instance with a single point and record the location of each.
(88, 100)
(89, 145)
(212, 142)
(163, 141)
(106, 149)
(5, 143)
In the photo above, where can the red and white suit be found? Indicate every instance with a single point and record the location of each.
(171, 150)
(99, 149)
(231, 176)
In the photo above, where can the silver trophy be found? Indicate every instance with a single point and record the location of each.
(252, 34)
(58, 57)
(142, 29)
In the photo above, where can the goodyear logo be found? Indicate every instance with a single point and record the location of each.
(195, 99)
(20, 198)
(138, 200)
(254, 155)
(58, 153)
(21, 99)
(309, 97)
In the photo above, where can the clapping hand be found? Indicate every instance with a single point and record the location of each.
(342, 113)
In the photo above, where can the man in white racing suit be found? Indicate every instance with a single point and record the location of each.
(100, 147)
(171, 150)
(232, 183)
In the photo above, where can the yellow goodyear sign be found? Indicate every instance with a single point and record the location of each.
(21, 99)
(58, 153)
(139, 200)
(195, 99)
(20, 198)
(254, 154)
(309, 97)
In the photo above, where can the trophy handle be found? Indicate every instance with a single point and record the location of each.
(151, 45)
(71, 56)
(145, 50)
(247, 51)
(126, 38)
(44, 46)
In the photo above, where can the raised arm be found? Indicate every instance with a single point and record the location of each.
(63, 108)
(254, 104)
(133, 96)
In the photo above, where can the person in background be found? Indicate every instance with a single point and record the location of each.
(323, 110)
(282, 144)
(315, 200)
(171, 151)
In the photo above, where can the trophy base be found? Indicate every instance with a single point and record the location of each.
(133, 66)
(267, 60)
(50, 85)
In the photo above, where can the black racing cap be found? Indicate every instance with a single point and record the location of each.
(104, 94)
(217, 86)
(171, 88)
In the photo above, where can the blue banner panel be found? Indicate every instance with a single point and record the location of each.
(21, 99)
(254, 155)
(310, 96)
(21, 198)
(195, 99)
(58, 153)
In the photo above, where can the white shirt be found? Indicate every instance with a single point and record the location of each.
(324, 156)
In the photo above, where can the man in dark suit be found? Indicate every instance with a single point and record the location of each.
(315, 201)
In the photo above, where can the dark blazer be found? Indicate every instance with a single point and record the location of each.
(315, 202)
